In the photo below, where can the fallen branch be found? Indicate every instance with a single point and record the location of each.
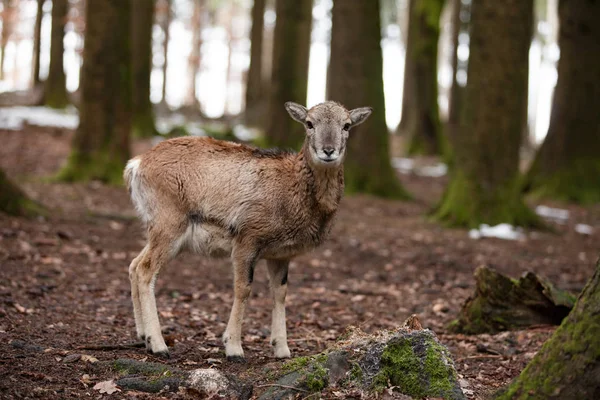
(106, 347)
(283, 386)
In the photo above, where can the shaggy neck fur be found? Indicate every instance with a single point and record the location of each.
(325, 185)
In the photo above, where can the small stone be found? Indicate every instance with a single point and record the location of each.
(71, 358)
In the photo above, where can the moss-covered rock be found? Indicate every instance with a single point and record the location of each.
(413, 362)
(155, 377)
(501, 303)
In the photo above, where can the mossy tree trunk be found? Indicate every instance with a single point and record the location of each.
(142, 24)
(254, 84)
(56, 83)
(420, 112)
(101, 143)
(568, 365)
(13, 201)
(191, 98)
(289, 75)
(37, 35)
(484, 184)
(165, 26)
(356, 81)
(567, 166)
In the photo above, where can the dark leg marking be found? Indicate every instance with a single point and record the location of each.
(251, 272)
(285, 277)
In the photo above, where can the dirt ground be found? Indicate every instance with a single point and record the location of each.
(64, 283)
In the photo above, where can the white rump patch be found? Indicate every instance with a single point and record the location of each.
(139, 193)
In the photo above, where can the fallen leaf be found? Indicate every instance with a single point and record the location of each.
(88, 358)
(108, 387)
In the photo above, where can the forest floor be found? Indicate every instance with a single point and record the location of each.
(64, 283)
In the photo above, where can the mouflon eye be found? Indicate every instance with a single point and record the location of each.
(347, 127)
(309, 124)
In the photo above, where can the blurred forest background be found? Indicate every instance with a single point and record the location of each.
(486, 118)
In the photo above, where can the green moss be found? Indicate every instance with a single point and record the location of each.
(400, 367)
(466, 204)
(437, 371)
(356, 373)
(102, 166)
(317, 379)
(578, 183)
(14, 202)
(566, 362)
(296, 364)
(416, 375)
(142, 125)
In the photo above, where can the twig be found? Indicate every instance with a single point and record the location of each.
(476, 357)
(112, 346)
(283, 386)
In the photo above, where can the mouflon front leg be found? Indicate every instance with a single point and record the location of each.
(278, 275)
(244, 260)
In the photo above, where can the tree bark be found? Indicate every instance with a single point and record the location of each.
(568, 366)
(567, 166)
(483, 186)
(165, 25)
(501, 303)
(454, 97)
(37, 33)
(191, 98)
(8, 17)
(56, 89)
(142, 24)
(357, 80)
(420, 112)
(13, 201)
(101, 143)
(254, 84)
(289, 71)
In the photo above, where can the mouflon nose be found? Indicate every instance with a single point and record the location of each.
(328, 151)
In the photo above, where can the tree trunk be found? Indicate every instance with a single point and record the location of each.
(254, 85)
(567, 166)
(420, 112)
(13, 201)
(37, 33)
(568, 366)
(483, 186)
(8, 19)
(56, 89)
(101, 143)
(455, 89)
(357, 80)
(501, 303)
(289, 71)
(165, 25)
(142, 24)
(191, 98)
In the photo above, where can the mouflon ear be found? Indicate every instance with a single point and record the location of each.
(296, 111)
(359, 115)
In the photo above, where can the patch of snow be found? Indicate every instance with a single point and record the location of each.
(14, 118)
(557, 214)
(500, 231)
(434, 171)
(408, 166)
(584, 229)
(405, 165)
